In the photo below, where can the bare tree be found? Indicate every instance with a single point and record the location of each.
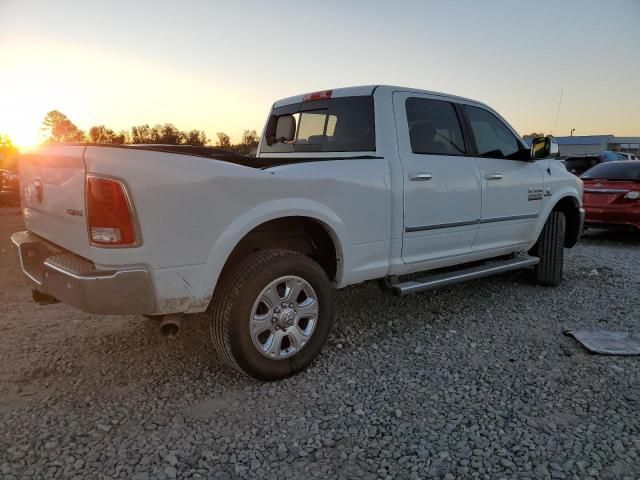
(60, 129)
(195, 137)
(223, 140)
(102, 134)
(143, 134)
(250, 138)
(167, 134)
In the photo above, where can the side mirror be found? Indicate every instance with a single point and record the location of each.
(544, 147)
(285, 128)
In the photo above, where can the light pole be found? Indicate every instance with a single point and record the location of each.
(572, 130)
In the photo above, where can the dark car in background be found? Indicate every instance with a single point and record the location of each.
(580, 163)
(612, 195)
(9, 187)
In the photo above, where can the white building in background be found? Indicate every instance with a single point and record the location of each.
(597, 144)
(583, 144)
(625, 144)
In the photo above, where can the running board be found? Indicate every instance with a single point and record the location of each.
(458, 276)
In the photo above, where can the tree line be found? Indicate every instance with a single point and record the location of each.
(8, 153)
(59, 128)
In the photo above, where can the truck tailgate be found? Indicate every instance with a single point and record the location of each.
(53, 183)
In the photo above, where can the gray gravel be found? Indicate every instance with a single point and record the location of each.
(472, 381)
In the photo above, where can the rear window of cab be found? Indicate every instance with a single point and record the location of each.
(344, 124)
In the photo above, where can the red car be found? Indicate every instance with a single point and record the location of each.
(612, 195)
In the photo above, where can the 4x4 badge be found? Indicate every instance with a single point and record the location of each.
(74, 212)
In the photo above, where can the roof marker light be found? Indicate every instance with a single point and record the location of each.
(323, 95)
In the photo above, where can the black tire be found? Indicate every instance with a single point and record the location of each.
(550, 249)
(231, 308)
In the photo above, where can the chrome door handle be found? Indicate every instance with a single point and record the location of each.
(420, 176)
(493, 176)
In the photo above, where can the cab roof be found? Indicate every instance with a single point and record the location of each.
(365, 90)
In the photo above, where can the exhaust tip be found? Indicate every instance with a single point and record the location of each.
(169, 330)
(170, 325)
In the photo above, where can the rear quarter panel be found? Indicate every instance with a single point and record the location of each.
(193, 211)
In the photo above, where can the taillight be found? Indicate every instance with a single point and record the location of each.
(109, 213)
(324, 95)
(632, 195)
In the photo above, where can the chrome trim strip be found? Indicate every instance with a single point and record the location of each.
(440, 225)
(605, 190)
(108, 274)
(470, 222)
(508, 218)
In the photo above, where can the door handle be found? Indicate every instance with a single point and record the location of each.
(420, 176)
(493, 176)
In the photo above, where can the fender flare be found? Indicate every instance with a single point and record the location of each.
(258, 215)
(565, 192)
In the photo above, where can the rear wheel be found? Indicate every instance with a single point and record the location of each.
(550, 249)
(271, 313)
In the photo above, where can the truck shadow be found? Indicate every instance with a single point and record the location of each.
(598, 236)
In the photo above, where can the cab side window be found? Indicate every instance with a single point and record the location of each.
(493, 138)
(434, 127)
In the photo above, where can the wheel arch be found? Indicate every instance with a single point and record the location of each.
(303, 234)
(261, 222)
(570, 206)
(567, 202)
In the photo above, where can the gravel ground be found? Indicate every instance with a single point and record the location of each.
(471, 381)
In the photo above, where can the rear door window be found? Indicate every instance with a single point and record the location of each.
(343, 124)
(434, 127)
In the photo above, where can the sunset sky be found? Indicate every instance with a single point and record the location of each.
(219, 65)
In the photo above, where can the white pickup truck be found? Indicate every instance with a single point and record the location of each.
(349, 185)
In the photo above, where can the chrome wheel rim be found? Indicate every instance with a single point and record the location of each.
(284, 317)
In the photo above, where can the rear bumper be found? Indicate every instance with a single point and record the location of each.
(75, 281)
(613, 217)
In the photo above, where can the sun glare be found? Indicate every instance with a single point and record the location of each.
(21, 116)
(29, 97)
(87, 96)
(25, 138)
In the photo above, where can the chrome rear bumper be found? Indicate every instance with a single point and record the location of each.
(75, 281)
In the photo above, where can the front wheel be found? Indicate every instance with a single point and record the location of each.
(550, 249)
(271, 314)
